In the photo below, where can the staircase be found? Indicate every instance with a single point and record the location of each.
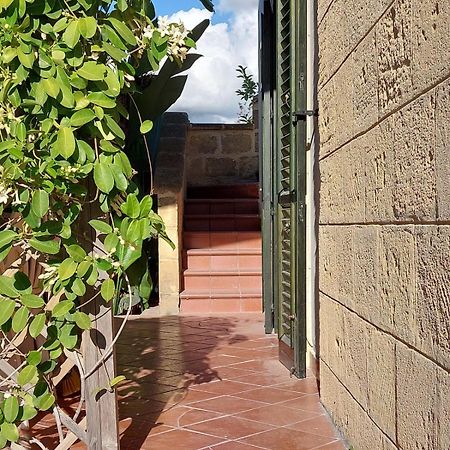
(222, 250)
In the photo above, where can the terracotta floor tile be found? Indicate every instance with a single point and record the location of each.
(231, 373)
(234, 445)
(182, 416)
(307, 403)
(320, 425)
(259, 380)
(225, 387)
(230, 427)
(277, 415)
(286, 439)
(336, 445)
(226, 405)
(269, 395)
(180, 440)
(307, 386)
(268, 366)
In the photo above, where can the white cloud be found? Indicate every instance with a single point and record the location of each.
(210, 95)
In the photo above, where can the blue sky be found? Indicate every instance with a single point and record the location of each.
(230, 41)
(169, 7)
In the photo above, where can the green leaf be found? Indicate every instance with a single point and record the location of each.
(87, 27)
(27, 59)
(20, 319)
(72, 34)
(11, 409)
(146, 126)
(82, 117)
(107, 290)
(115, 381)
(120, 180)
(78, 287)
(4, 252)
(76, 252)
(67, 268)
(28, 413)
(123, 30)
(49, 246)
(32, 301)
(122, 5)
(50, 87)
(92, 71)
(34, 357)
(7, 287)
(6, 237)
(101, 227)
(37, 325)
(65, 142)
(68, 336)
(40, 203)
(9, 431)
(114, 52)
(45, 401)
(27, 375)
(103, 177)
(82, 320)
(131, 207)
(62, 308)
(146, 206)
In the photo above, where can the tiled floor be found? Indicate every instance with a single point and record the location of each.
(210, 383)
(214, 383)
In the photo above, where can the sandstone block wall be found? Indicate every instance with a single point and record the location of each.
(221, 154)
(384, 244)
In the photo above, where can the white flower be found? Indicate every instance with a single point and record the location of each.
(164, 26)
(4, 194)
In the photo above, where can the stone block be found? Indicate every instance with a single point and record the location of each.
(381, 378)
(417, 401)
(331, 328)
(168, 209)
(326, 122)
(430, 43)
(380, 174)
(415, 174)
(342, 188)
(221, 167)
(336, 271)
(443, 150)
(393, 34)
(443, 410)
(397, 266)
(322, 8)
(201, 143)
(237, 142)
(169, 304)
(365, 82)
(355, 347)
(432, 309)
(366, 274)
(248, 167)
(169, 276)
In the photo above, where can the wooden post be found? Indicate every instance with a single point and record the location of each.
(102, 417)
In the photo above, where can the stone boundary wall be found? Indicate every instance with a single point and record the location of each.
(384, 244)
(220, 154)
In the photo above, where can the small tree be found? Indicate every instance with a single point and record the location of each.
(72, 74)
(246, 93)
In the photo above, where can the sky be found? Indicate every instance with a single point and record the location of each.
(231, 40)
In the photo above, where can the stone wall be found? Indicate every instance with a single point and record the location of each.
(384, 244)
(221, 154)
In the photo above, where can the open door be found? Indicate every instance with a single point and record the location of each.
(286, 149)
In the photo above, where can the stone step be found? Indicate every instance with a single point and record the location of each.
(222, 280)
(221, 206)
(244, 190)
(224, 240)
(205, 301)
(216, 259)
(222, 222)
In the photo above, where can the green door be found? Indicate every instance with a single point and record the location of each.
(287, 150)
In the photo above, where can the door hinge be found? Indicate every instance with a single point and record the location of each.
(303, 114)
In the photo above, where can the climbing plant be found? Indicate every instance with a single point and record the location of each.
(246, 93)
(72, 73)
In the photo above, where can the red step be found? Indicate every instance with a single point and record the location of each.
(222, 250)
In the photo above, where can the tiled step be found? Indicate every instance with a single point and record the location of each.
(222, 222)
(222, 206)
(205, 301)
(215, 259)
(224, 240)
(222, 280)
(250, 190)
